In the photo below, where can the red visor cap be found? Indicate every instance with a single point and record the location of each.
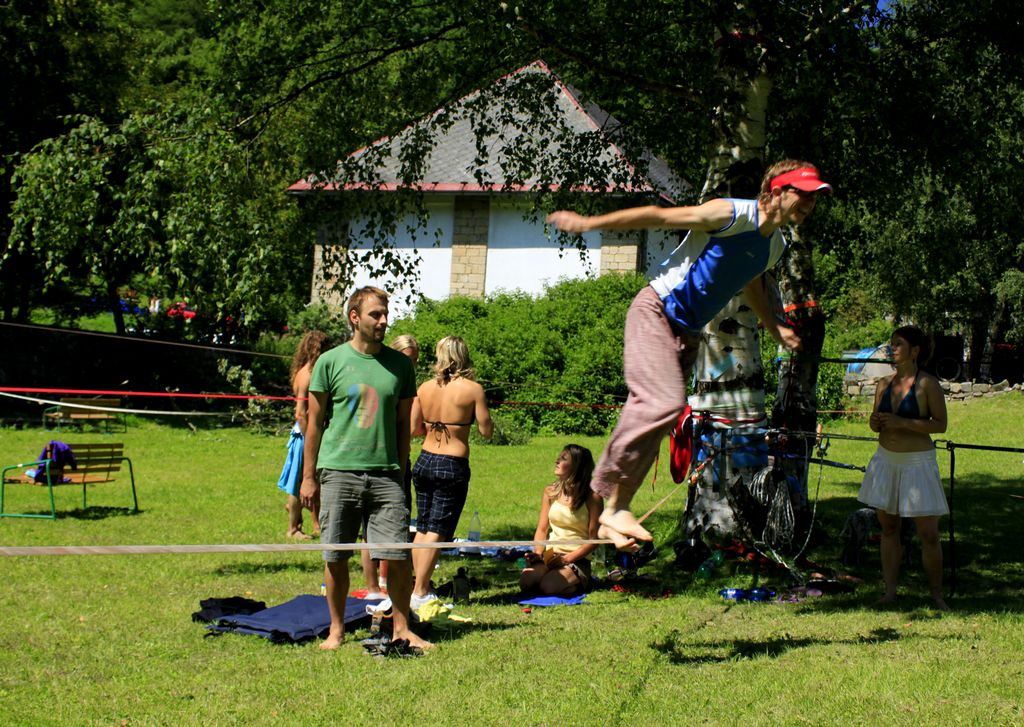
(805, 179)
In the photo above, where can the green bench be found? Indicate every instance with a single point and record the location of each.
(97, 463)
(81, 411)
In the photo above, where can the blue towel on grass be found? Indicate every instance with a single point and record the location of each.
(553, 601)
(300, 619)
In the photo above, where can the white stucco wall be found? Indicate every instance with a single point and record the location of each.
(521, 257)
(434, 265)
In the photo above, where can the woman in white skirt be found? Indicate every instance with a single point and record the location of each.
(902, 479)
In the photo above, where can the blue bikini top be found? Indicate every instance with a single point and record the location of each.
(908, 408)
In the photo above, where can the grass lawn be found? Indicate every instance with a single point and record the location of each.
(108, 640)
(101, 321)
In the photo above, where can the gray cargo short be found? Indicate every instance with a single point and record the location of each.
(376, 497)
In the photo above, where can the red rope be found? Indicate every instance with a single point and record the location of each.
(170, 394)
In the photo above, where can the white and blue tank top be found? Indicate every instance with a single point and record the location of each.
(708, 268)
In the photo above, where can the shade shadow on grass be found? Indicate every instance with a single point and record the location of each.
(97, 512)
(246, 568)
(712, 652)
(984, 564)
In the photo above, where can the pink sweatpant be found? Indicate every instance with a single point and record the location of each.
(657, 363)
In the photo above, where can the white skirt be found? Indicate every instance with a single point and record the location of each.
(904, 483)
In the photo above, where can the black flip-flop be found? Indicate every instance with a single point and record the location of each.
(385, 646)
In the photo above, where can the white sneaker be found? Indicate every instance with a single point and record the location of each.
(416, 601)
(375, 596)
(382, 607)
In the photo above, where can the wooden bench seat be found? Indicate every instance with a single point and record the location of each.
(80, 411)
(97, 463)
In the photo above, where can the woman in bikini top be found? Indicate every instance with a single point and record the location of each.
(911, 407)
(440, 429)
(902, 479)
(908, 407)
(447, 406)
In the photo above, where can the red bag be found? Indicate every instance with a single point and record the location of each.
(680, 445)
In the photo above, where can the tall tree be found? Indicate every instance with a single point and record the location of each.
(934, 150)
(714, 87)
(59, 58)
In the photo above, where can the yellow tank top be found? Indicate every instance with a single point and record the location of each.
(567, 525)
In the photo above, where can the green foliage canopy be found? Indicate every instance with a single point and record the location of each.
(204, 112)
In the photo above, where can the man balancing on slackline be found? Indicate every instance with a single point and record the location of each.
(730, 243)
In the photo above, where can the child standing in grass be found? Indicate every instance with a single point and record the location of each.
(569, 510)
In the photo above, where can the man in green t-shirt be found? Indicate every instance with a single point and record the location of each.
(357, 437)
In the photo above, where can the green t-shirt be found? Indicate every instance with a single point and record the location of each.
(363, 396)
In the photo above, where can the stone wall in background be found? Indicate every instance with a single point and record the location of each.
(857, 386)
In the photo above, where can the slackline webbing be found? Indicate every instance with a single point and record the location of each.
(152, 412)
(163, 394)
(13, 550)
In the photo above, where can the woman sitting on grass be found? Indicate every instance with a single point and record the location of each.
(902, 479)
(570, 510)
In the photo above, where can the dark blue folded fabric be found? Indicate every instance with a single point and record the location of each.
(553, 601)
(300, 619)
(214, 609)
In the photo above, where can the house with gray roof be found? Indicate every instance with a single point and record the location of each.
(470, 176)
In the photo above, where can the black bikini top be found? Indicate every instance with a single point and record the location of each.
(441, 428)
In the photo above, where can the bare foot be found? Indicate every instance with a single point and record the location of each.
(940, 603)
(298, 535)
(333, 641)
(621, 541)
(415, 641)
(624, 523)
(886, 600)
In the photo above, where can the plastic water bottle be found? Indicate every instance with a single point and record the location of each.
(474, 531)
(707, 568)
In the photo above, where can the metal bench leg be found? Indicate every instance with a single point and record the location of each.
(131, 475)
(49, 486)
(3, 495)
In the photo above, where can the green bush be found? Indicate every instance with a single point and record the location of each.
(505, 434)
(553, 364)
(319, 317)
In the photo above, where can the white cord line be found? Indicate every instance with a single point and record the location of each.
(15, 550)
(118, 410)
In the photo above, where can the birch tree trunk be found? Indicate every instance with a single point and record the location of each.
(728, 388)
(796, 401)
(735, 169)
